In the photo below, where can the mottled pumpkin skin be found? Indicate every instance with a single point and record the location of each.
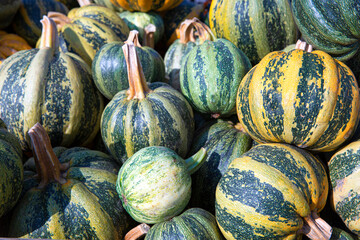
(266, 192)
(257, 27)
(223, 143)
(193, 224)
(54, 89)
(11, 43)
(85, 207)
(210, 75)
(146, 5)
(344, 169)
(330, 26)
(27, 19)
(109, 69)
(162, 118)
(11, 170)
(8, 9)
(339, 234)
(307, 99)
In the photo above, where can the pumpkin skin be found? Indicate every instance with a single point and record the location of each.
(268, 191)
(330, 26)
(223, 143)
(307, 99)
(256, 27)
(108, 3)
(26, 22)
(210, 75)
(344, 174)
(146, 5)
(11, 43)
(8, 9)
(11, 170)
(339, 234)
(193, 224)
(53, 88)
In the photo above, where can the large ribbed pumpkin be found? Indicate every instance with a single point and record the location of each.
(68, 194)
(146, 115)
(344, 169)
(211, 73)
(53, 88)
(330, 26)
(257, 27)
(11, 170)
(273, 191)
(146, 5)
(303, 98)
(109, 66)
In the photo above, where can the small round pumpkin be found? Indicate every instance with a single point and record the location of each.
(304, 98)
(11, 43)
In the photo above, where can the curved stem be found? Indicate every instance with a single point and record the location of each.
(134, 38)
(137, 83)
(203, 31)
(59, 18)
(149, 38)
(240, 128)
(49, 36)
(194, 162)
(137, 232)
(186, 31)
(316, 228)
(303, 46)
(47, 164)
(83, 3)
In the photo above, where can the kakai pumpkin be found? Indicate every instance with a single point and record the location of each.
(304, 98)
(145, 115)
(11, 170)
(154, 184)
(146, 5)
(109, 69)
(344, 169)
(53, 88)
(11, 43)
(273, 191)
(211, 72)
(68, 194)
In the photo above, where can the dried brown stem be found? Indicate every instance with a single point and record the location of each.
(316, 228)
(134, 38)
(303, 46)
(137, 232)
(149, 38)
(49, 36)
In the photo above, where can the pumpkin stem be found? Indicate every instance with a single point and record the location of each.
(316, 228)
(137, 83)
(186, 31)
(203, 31)
(47, 164)
(149, 39)
(240, 127)
(83, 3)
(134, 38)
(194, 162)
(49, 36)
(60, 19)
(137, 232)
(303, 46)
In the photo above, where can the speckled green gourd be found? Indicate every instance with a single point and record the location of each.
(74, 198)
(109, 66)
(339, 234)
(152, 114)
(53, 88)
(193, 224)
(154, 184)
(11, 170)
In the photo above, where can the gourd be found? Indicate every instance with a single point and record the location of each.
(344, 173)
(109, 69)
(108, 3)
(11, 43)
(304, 98)
(154, 184)
(86, 29)
(8, 10)
(152, 114)
(11, 170)
(68, 194)
(53, 88)
(257, 27)
(146, 5)
(211, 72)
(273, 191)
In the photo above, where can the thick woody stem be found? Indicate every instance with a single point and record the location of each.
(316, 228)
(84, 2)
(60, 19)
(47, 164)
(149, 38)
(203, 31)
(134, 38)
(303, 46)
(49, 36)
(186, 31)
(137, 83)
(137, 232)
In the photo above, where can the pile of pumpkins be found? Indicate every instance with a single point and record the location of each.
(173, 119)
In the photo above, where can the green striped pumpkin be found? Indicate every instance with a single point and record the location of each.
(11, 170)
(53, 88)
(210, 75)
(109, 69)
(154, 184)
(330, 26)
(26, 22)
(223, 142)
(146, 115)
(86, 29)
(257, 27)
(270, 192)
(344, 175)
(193, 224)
(8, 9)
(303, 98)
(339, 234)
